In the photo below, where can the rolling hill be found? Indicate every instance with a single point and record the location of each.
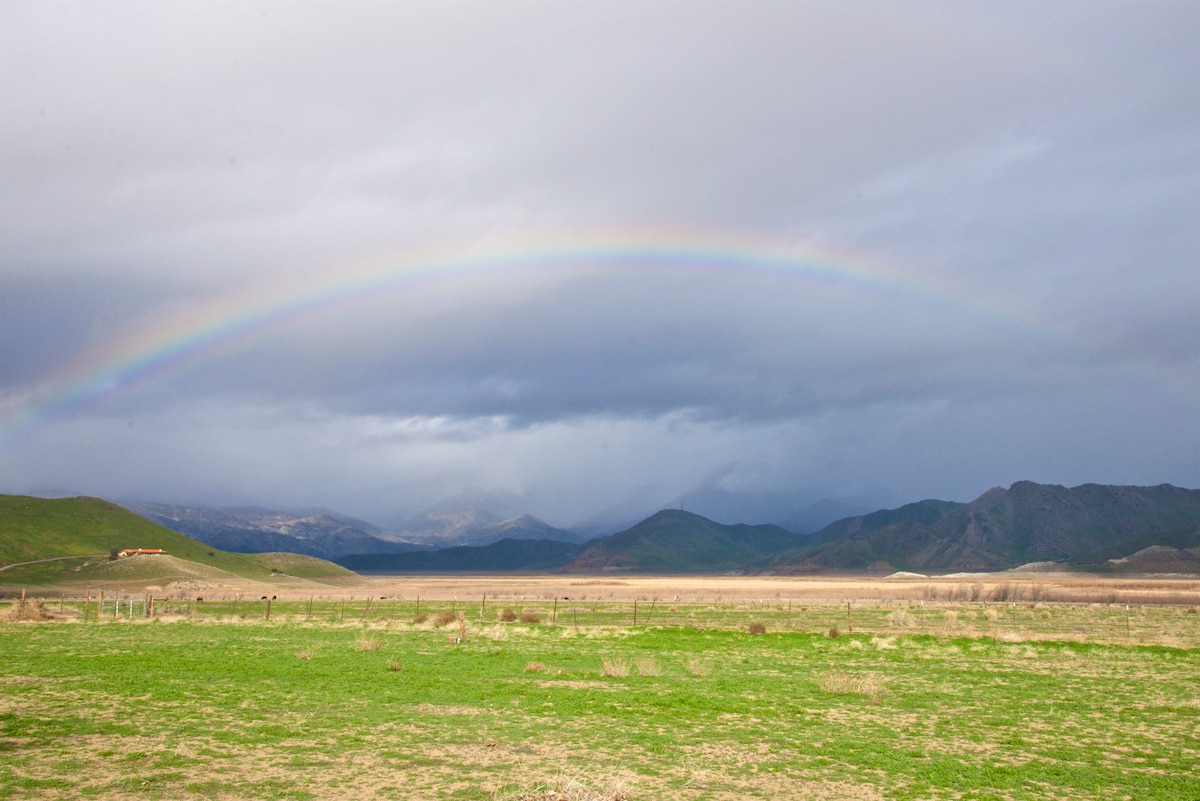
(43, 541)
(675, 541)
(508, 555)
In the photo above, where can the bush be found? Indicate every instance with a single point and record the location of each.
(444, 618)
(420, 619)
(507, 615)
(530, 617)
(758, 628)
(833, 633)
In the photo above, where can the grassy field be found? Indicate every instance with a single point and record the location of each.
(335, 698)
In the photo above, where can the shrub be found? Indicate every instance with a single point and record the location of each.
(530, 617)
(758, 628)
(420, 619)
(833, 633)
(901, 619)
(507, 615)
(444, 618)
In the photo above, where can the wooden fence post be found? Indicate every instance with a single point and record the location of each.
(366, 610)
(849, 620)
(635, 611)
(268, 609)
(554, 614)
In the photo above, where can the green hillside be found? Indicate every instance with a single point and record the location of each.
(58, 536)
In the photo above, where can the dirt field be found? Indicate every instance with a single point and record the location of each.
(1046, 587)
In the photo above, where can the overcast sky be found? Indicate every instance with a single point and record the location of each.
(365, 255)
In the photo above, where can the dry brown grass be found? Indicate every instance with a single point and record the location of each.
(758, 628)
(365, 642)
(29, 611)
(530, 617)
(841, 683)
(648, 666)
(576, 790)
(617, 668)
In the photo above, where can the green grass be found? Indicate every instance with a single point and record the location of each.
(226, 707)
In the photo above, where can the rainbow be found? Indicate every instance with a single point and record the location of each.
(189, 338)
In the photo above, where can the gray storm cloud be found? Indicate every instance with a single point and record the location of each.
(1011, 188)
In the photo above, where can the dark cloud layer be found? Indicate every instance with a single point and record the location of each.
(1004, 199)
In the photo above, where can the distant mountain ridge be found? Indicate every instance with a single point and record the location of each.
(252, 530)
(675, 541)
(1099, 525)
(1005, 528)
(477, 518)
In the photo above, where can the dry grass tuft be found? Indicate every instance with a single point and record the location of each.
(758, 628)
(530, 617)
(366, 643)
(307, 653)
(648, 666)
(833, 633)
(618, 668)
(840, 683)
(901, 619)
(444, 618)
(419, 619)
(394, 665)
(575, 790)
(507, 615)
(534, 667)
(696, 666)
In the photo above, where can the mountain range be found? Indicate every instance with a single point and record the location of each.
(1001, 529)
(1104, 527)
